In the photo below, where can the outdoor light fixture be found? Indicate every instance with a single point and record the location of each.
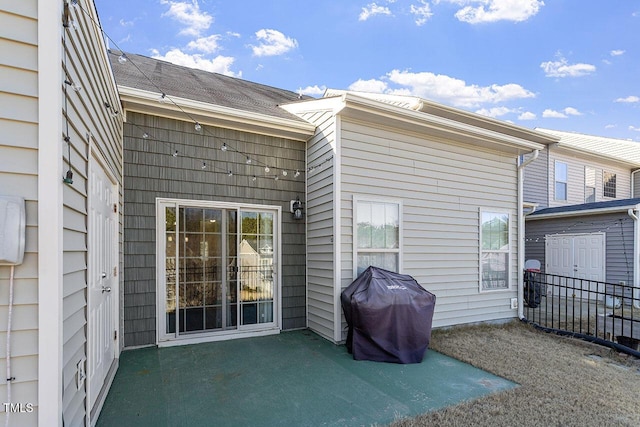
(296, 208)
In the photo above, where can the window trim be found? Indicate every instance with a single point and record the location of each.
(604, 184)
(399, 250)
(556, 181)
(509, 251)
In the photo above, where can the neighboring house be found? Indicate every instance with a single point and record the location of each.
(584, 222)
(65, 326)
(582, 169)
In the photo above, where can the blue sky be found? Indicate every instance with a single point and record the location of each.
(569, 65)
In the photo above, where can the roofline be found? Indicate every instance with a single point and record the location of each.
(451, 126)
(548, 139)
(145, 101)
(598, 154)
(596, 211)
(418, 104)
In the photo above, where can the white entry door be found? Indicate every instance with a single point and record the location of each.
(580, 256)
(102, 279)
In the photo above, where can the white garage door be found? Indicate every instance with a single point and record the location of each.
(580, 256)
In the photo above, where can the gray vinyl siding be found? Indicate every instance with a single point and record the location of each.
(618, 228)
(636, 185)
(151, 171)
(442, 187)
(576, 174)
(320, 228)
(19, 177)
(536, 176)
(89, 123)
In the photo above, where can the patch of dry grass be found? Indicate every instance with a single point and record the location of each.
(563, 381)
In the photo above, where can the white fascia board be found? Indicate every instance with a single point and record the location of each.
(210, 114)
(451, 127)
(334, 103)
(582, 212)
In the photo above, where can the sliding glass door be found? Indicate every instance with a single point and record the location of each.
(218, 268)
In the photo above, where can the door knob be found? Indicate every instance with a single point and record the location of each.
(104, 275)
(106, 289)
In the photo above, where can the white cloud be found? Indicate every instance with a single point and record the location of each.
(205, 44)
(617, 52)
(481, 11)
(637, 129)
(610, 126)
(562, 68)
(189, 14)
(312, 90)
(495, 111)
(272, 43)
(124, 23)
(527, 115)
(553, 114)
(422, 12)
(570, 111)
(373, 9)
(233, 34)
(629, 99)
(372, 85)
(455, 91)
(220, 64)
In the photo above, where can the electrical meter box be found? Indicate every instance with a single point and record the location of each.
(12, 230)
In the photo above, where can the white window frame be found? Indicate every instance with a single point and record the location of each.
(508, 251)
(164, 339)
(604, 184)
(556, 181)
(357, 199)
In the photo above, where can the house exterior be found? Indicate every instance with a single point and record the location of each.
(210, 207)
(582, 169)
(63, 352)
(424, 184)
(415, 187)
(583, 195)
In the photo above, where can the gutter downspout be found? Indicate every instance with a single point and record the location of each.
(634, 213)
(521, 167)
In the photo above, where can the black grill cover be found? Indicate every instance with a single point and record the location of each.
(389, 317)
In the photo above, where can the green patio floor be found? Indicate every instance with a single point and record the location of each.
(290, 379)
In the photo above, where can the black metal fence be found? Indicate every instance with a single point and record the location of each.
(605, 313)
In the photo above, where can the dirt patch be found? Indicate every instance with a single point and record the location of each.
(563, 381)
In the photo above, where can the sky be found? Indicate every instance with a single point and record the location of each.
(571, 65)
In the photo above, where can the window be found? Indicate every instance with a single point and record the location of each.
(589, 185)
(561, 181)
(609, 185)
(495, 250)
(377, 229)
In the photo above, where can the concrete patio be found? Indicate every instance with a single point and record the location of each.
(294, 378)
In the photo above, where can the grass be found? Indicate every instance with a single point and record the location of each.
(563, 381)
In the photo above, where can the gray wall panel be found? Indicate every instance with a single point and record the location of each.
(619, 240)
(151, 171)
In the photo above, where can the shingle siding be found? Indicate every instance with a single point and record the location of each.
(152, 171)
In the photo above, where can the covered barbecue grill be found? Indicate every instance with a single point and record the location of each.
(389, 317)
